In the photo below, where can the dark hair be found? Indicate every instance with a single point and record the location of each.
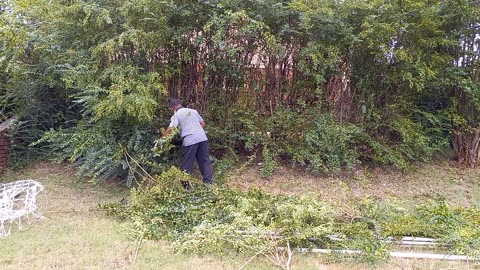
(174, 102)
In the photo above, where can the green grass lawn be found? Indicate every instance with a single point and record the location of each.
(75, 235)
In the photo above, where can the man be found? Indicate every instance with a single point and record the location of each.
(194, 140)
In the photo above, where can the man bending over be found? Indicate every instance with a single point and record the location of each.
(194, 140)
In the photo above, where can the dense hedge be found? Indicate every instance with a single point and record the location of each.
(326, 84)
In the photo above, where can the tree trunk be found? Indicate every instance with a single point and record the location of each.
(339, 95)
(466, 147)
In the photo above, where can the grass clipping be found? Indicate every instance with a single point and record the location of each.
(212, 219)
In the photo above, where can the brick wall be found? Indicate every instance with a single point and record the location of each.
(4, 144)
(3, 150)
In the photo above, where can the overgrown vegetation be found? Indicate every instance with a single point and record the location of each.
(218, 219)
(324, 84)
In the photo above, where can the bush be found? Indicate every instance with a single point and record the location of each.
(405, 141)
(322, 144)
(328, 146)
(108, 150)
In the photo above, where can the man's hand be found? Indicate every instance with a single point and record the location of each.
(167, 132)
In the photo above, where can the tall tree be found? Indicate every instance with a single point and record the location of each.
(463, 24)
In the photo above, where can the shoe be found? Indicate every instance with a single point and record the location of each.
(186, 185)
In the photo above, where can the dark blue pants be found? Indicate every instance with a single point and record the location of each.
(198, 151)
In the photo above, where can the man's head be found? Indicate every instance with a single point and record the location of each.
(175, 104)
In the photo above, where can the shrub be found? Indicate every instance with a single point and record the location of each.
(328, 146)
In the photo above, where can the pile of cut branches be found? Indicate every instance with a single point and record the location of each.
(217, 219)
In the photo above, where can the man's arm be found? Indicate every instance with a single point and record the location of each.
(173, 124)
(200, 119)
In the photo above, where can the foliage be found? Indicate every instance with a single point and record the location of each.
(210, 219)
(217, 219)
(455, 226)
(269, 163)
(406, 141)
(329, 146)
(390, 80)
(214, 219)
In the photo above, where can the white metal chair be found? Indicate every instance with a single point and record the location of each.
(18, 200)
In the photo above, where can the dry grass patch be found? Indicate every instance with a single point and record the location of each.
(74, 235)
(458, 185)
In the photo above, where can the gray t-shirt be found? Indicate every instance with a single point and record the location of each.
(188, 122)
